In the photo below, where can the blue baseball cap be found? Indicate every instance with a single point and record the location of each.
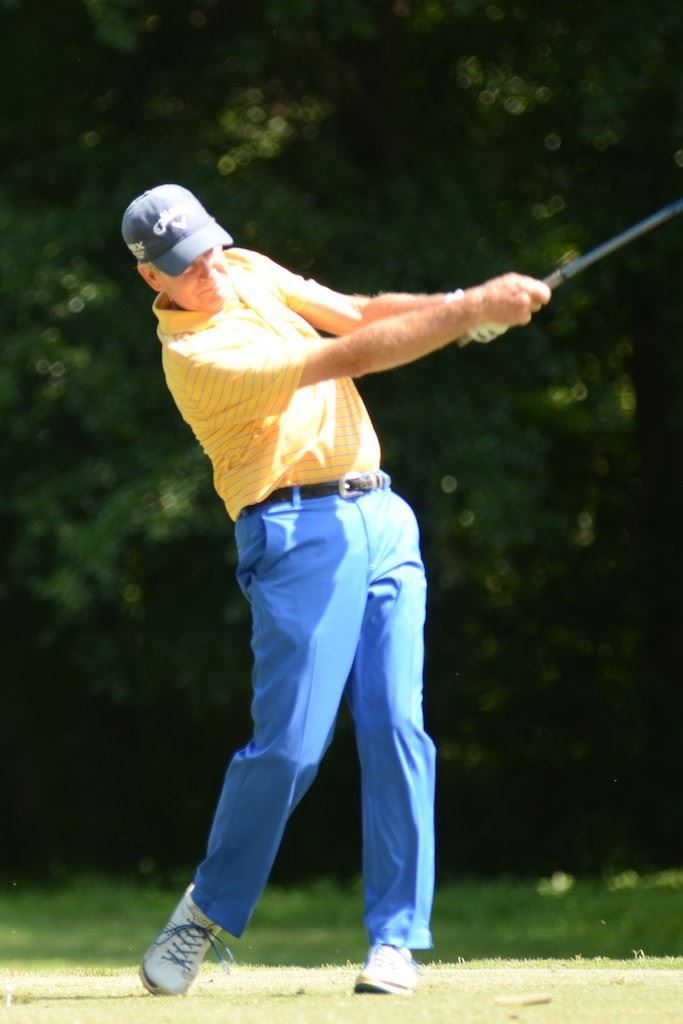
(169, 227)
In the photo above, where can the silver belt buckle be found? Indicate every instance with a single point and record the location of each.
(344, 485)
(374, 481)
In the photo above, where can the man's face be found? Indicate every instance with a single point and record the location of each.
(203, 287)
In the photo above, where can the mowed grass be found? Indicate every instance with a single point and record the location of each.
(488, 993)
(549, 952)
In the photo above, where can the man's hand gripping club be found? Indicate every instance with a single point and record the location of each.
(511, 295)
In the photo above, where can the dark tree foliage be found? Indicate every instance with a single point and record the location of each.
(375, 145)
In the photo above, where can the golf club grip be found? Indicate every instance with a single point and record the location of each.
(575, 266)
(563, 273)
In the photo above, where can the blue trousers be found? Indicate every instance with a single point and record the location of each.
(337, 592)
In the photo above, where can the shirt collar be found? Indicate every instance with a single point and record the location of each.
(181, 321)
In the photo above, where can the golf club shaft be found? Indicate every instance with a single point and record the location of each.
(575, 266)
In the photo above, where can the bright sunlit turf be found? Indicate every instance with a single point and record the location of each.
(552, 992)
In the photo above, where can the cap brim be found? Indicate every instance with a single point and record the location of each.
(178, 259)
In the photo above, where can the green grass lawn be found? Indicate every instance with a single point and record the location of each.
(557, 992)
(548, 952)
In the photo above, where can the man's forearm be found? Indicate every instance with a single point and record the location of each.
(386, 342)
(379, 307)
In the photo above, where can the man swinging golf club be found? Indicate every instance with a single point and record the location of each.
(328, 558)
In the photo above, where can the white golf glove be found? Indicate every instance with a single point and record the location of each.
(482, 333)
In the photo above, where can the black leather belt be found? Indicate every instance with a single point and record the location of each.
(348, 486)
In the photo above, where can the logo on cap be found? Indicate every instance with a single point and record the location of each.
(138, 250)
(176, 216)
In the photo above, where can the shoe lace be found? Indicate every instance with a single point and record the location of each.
(384, 955)
(188, 941)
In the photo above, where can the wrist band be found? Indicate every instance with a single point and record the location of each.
(453, 296)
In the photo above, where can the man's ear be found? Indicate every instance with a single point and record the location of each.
(149, 274)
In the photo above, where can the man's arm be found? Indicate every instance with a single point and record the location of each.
(391, 330)
(335, 313)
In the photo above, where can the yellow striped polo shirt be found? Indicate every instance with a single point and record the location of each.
(234, 377)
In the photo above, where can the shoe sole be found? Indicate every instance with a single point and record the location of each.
(375, 988)
(156, 990)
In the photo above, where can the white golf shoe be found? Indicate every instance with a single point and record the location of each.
(171, 963)
(388, 970)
